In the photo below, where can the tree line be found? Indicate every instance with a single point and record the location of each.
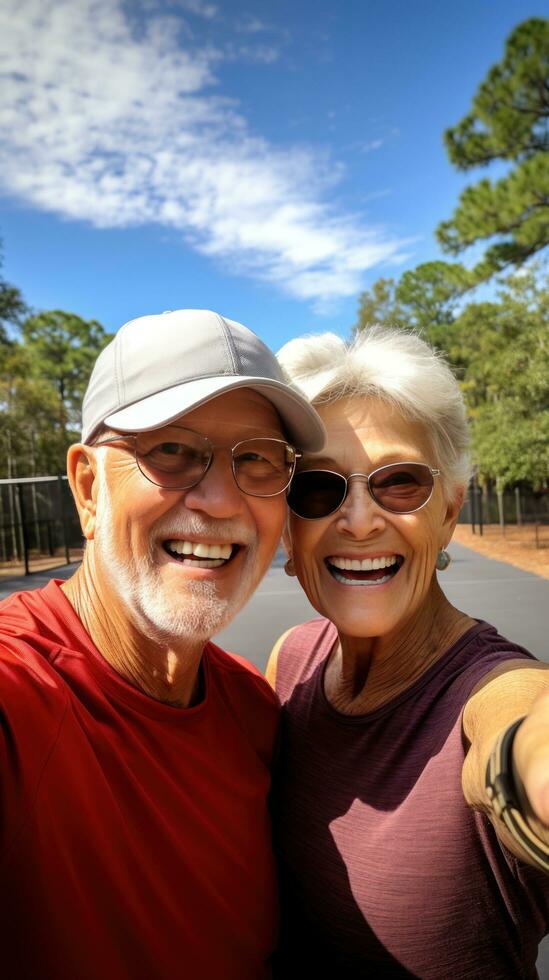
(45, 363)
(499, 347)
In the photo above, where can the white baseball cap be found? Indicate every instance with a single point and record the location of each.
(159, 367)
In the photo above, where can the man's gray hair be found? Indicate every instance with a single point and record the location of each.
(399, 368)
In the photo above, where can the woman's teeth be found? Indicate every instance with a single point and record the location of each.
(363, 571)
(203, 555)
(363, 564)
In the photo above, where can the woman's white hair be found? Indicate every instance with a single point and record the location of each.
(397, 367)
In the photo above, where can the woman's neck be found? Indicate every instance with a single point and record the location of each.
(364, 673)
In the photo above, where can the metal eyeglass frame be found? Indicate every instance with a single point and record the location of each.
(124, 436)
(434, 472)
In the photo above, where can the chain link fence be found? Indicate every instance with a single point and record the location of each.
(39, 526)
(517, 512)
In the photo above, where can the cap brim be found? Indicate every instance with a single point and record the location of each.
(302, 423)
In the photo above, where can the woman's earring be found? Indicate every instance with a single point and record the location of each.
(289, 567)
(443, 560)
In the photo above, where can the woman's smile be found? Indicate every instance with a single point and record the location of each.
(368, 571)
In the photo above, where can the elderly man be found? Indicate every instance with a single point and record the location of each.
(136, 755)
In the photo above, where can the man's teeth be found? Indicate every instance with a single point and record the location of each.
(363, 564)
(200, 550)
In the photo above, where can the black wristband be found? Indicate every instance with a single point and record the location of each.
(503, 798)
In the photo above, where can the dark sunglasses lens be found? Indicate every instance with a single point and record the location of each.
(316, 493)
(402, 488)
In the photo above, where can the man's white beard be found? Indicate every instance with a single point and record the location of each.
(197, 612)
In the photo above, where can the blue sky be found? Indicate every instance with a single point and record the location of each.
(267, 160)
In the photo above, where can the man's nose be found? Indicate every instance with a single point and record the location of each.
(359, 515)
(217, 493)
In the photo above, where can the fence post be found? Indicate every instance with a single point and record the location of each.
(517, 506)
(480, 515)
(13, 523)
(500, 509)
(472, 503)
(23, 527)
(63, 519)
(3, 555)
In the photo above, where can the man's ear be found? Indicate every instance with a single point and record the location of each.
(82, 475)
(453, 508)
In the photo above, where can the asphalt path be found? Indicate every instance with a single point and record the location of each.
(516, 602)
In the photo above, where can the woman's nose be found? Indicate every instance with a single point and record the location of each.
(359, 514)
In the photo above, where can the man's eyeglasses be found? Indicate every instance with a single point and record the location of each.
(400, 488)
(179, 460)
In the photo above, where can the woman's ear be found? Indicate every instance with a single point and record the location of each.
(82, 475)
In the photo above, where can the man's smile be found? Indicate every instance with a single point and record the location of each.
(200, 554)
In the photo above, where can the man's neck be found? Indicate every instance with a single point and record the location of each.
(166, 671)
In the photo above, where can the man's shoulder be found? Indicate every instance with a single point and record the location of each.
(239, 671)
(29, 643)
(241, 680)
(249, 699)
(30, 608)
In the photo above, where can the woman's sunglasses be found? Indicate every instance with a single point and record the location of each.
(400, 488)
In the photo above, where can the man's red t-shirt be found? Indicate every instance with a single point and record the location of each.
(135, 838)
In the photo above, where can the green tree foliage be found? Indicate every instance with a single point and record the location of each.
(62, 349)
(502, 349)
(12, 307)
(43, 375)
(424, 298)
(380, 305)
(32, 440)
(499, 350)
(508, 123)
(429, 294)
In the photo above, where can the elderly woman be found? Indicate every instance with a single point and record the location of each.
(400, 741)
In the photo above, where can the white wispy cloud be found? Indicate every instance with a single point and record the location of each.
(121, 124)
(265, 54)
(198, 7)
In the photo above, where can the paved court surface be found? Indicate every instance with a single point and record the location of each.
(516, 602)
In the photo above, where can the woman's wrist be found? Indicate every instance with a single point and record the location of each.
(508, 801)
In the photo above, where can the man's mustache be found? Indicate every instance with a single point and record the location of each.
(190, 525)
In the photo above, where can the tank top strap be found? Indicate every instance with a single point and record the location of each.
(301, 653)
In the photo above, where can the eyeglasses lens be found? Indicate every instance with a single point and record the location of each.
(262, 467)
(399, 488)
(316, 493)
(402, 489)
(178, 461)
